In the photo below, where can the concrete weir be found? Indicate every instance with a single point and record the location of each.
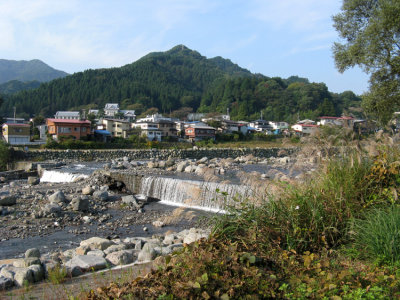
(181, 192)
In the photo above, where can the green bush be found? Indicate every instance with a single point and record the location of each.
(379, 234)
(5, 155)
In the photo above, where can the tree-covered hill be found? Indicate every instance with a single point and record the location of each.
(15, 86)
(33, 70)
(182, 80)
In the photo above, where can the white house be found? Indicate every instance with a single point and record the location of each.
(305, 128)
(67, 115)
(111, 109)
(337, 121)
(129, 115)
(279, 125)
(261, 125)
(149, 130)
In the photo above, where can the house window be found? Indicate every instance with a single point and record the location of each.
(76, 129)
(83, 129)
(64, 130)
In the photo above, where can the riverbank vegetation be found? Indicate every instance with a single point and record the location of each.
(334, 235)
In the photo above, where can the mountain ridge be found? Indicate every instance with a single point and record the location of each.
(28, 70)
(181, 79)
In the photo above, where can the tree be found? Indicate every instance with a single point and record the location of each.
(371, 31)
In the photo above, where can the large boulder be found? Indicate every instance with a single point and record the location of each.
(87, 263)
(148, 252)
(130, 200)
(100, 195)
(115, 248)
(87, 190)
(51, 208)
(38, 272)
(32, 252)
(97, 243)
(57, 197)
(7, 199)
(80, 203)
(23, 275)
(122, 257)
(33, 180)
(5, 283)
(181, 166)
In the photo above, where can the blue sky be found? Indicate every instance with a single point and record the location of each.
(275, 38)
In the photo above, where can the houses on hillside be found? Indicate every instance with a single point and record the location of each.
(111, 122)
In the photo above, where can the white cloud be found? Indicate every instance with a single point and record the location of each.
(293, 14)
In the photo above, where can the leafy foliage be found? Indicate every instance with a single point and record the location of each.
(371, 33)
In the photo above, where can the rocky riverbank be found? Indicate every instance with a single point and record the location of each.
(70, 216)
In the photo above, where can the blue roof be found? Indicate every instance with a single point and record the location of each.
(102, 132)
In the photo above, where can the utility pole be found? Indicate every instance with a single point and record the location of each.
(15, 109)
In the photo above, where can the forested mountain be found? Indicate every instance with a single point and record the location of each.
(15, 86)
(33, 70)
(183, 80)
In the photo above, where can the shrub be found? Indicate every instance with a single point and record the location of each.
(57, 275)
(5, 155)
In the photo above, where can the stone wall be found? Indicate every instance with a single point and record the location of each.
(145, 154)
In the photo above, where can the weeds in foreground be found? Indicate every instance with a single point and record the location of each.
(57, 275)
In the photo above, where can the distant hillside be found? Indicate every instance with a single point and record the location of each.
(15, 86)
(33, 70)
(182, 80)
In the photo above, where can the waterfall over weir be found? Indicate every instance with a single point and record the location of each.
(189, 193)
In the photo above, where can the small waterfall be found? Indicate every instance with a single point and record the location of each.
(192, 193)
(57, 176)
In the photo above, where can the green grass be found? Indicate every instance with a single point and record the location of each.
(378, 234)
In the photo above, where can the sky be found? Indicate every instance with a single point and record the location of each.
(275, 38)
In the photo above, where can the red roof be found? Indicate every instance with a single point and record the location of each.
(68, 121)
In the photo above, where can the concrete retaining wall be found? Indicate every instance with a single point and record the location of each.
(103, 155)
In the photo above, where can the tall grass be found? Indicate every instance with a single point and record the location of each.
(315, 214)
(379, 234)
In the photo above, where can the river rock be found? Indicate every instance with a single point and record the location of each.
(115, 248)
(5, 283)
(158, 224)
(96, 252)
(82, 250)
(122, 257)
(23, 275)
(170, 162)
(100, 195)
(80, 203)
(29, 261)
(152, 164)
(6, 199)
(97, 243)
(189, 169)
(203, 160)
(38, 272)
(87, 263)
(57, 197)
(146, 255)
(169, 239)
(131, 200)
(87, 190)
(32, 252)
(33, 180)
(51, 208)
(181, 166)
